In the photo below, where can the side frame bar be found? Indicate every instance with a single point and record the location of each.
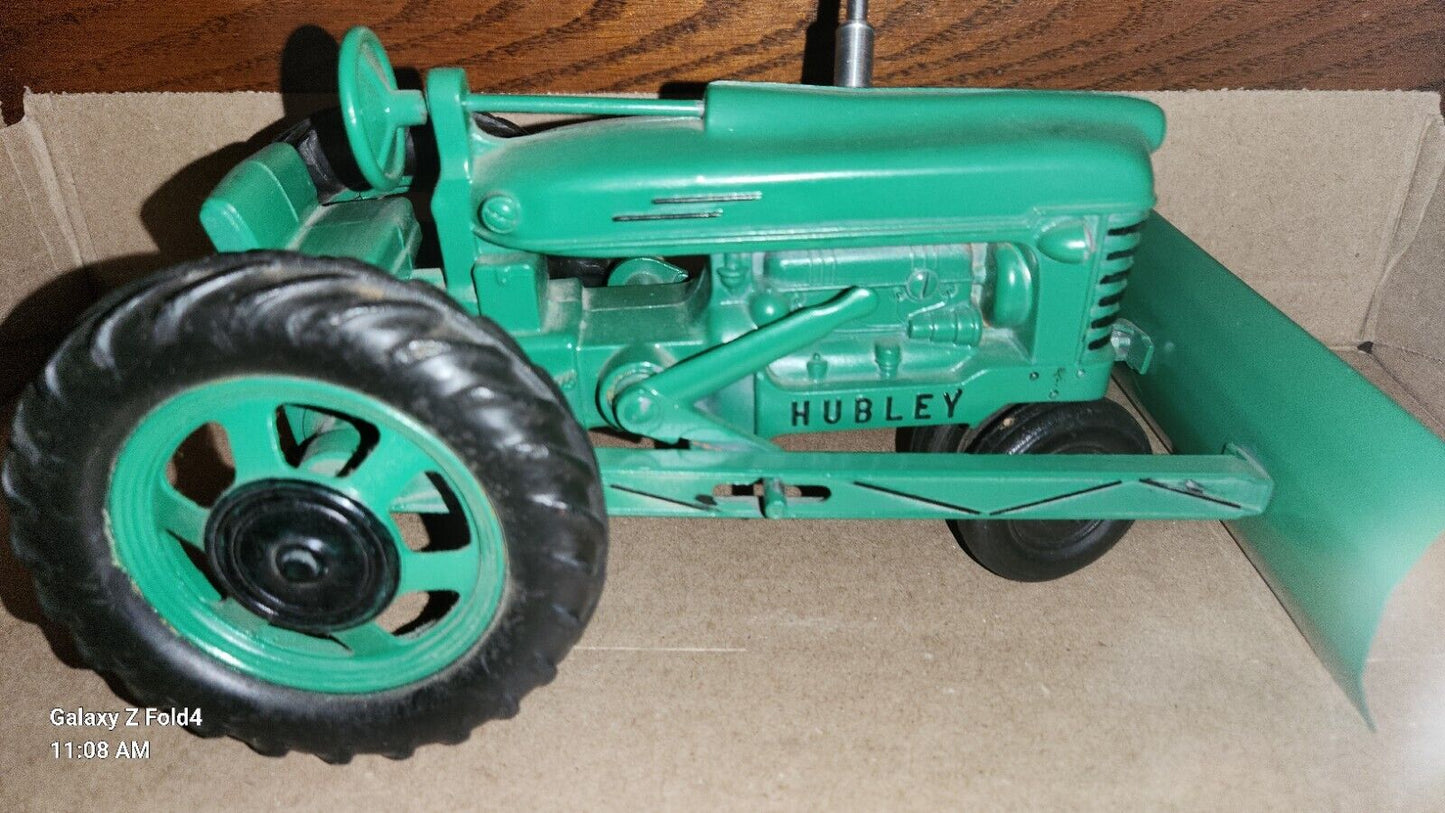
(878, 485)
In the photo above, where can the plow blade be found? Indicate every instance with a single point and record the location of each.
(1359, 484)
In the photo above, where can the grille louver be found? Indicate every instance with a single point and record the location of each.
(1119, 244)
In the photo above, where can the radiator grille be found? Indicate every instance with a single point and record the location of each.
(1120, 241)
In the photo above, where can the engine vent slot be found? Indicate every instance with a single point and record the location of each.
(1120, 241)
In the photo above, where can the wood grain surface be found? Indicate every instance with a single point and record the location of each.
(611, 45)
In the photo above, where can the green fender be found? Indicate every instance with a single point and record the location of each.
(1359, 484)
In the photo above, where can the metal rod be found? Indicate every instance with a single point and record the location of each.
(711, 370)
(581, 105)
(854, 65)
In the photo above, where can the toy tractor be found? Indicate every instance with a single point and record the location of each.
(703, 276)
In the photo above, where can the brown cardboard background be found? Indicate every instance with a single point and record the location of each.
(38, 250)
(848, 665)
(1298, 193)
(1410, 332)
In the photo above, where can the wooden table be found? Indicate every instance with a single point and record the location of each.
(611, 45)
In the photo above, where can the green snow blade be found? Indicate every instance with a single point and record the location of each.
(1359, 484)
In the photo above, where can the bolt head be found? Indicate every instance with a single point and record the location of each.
(635, 410)
(767, 307)
(501, 213)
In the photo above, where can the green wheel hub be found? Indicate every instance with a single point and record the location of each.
(301, 555)
(284, 575)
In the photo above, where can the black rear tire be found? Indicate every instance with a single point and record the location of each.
(1039, 550)
(341, 322)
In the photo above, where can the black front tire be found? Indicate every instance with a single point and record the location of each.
(338, 321)
(1039, 550)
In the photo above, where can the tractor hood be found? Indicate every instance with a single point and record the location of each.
(771, 166)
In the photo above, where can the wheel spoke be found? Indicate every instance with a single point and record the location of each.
(388, 469)
(328, 451)
(240, 617)
(305, 423)
(181, 516)
(267, 633)
(367, 639)
(255, 445)
(388, 143)
(420, 496)
(454, 570)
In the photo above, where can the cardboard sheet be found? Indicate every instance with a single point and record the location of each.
(39, 256)
(838, 665)
(1300, 194)
(1410, 327)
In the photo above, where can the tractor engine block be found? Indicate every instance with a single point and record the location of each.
(937, 305)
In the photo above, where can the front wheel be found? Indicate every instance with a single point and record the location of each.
(1040, 550)
(400, 533)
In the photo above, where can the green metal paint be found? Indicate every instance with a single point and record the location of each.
(786, 166)
(1359, 483)
(1010, 298)
(375, 110)
(994, 240)
(645, 271)
(151, 525)
(660, 406)
(580, 105)
(854, 279)
(801, 199)
(929, 486)
(269, 201)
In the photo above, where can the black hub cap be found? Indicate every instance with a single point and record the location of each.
(302, 556)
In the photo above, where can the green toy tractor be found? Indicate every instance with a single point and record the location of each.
(399, 406)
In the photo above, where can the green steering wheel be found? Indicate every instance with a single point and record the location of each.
(375, 110)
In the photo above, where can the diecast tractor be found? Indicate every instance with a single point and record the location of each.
(402, 403)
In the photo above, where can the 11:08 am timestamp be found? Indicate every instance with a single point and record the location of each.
(101, 749)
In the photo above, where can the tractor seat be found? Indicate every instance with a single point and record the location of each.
(270, 202)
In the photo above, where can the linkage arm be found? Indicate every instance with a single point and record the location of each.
(661, 406)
